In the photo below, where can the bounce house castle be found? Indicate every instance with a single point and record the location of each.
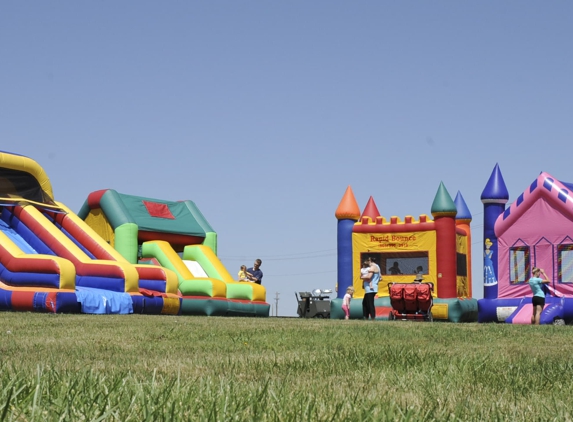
(176, 236)
(536, 230)
(51, 260)
(439, 250)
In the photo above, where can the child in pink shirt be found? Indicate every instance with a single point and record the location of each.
(346, 302)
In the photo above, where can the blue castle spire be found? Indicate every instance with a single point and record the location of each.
(463, 210)
(494, 197)
(495, 190)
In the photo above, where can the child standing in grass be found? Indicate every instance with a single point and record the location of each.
(346, 302)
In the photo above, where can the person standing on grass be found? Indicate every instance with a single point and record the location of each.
(365, 276)
(538, 300)
(370, 275)
(346, 302)
(376, 277)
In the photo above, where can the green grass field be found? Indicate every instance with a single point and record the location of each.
(165, 368)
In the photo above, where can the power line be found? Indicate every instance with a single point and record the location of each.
(291, 275)
(279, 259)
(283, 255)
(310, 254)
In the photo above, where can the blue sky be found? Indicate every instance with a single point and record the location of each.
(262, 113)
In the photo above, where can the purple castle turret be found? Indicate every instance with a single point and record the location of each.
(494, 197)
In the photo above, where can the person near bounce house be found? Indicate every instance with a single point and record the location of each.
(346, 302)
(538, 299)
(374, 268)
(243, 274)
(370, 282)
(376, 278)
(254, 273)
(365, 276)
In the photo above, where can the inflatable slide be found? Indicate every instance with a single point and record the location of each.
(205, 285)
(552, 311)
(173, 235)
(50, 260)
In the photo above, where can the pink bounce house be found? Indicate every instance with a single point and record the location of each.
(536, 230)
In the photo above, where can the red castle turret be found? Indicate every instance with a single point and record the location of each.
(444, 213)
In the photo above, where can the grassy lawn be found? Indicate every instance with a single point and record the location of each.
(160, 368)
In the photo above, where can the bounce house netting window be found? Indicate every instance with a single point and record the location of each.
(565, 263)
(397, 263)
(19, 184)
(519, 264)
(462, 264)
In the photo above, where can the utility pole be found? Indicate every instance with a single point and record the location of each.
(277, 304)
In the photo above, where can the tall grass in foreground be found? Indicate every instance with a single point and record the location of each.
(159, 368)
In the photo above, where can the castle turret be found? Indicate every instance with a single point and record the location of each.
(463, 220)
(494, 197)
(370, 210)
(347, 214)
(444, 212)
